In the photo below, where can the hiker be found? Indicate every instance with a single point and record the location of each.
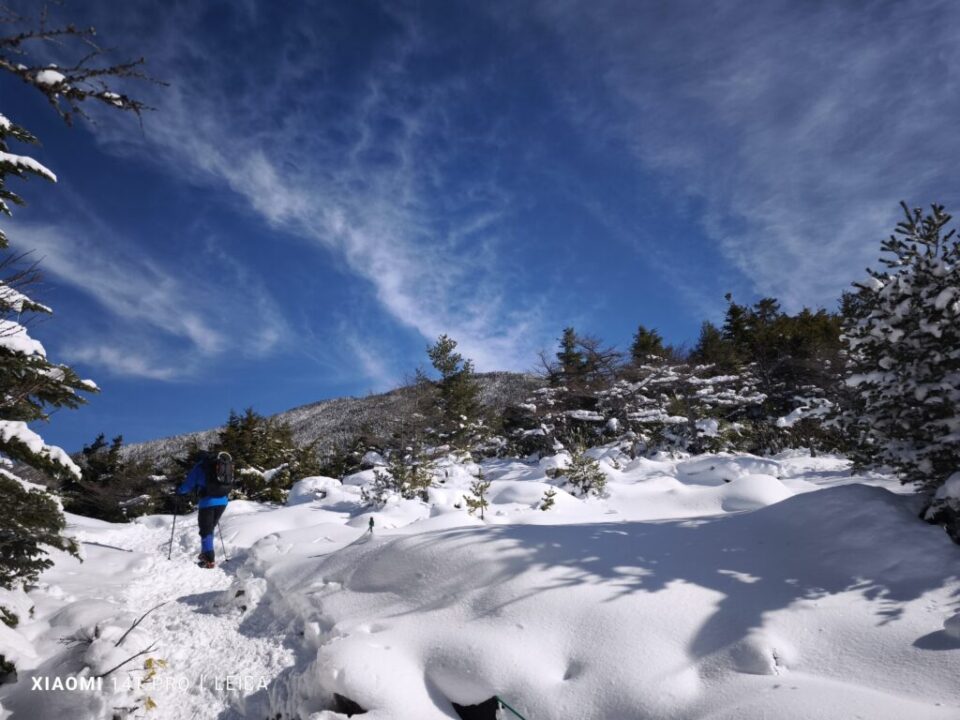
(212, 478)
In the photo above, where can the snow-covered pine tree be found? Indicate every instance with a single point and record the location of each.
(564, 412)
(29, 383)
(30, 521)
(795, 360)
(902, 331)
(548, 500)
(582, 365)
(409, 475)
(791, 355)
(684, 407)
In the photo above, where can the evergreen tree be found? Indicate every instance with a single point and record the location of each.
(110, 487)
(902, 331)
(548, 500)
(793, 356)
(714, 349)
(409, 474)
(477, 499)
(583, 364)
(30, 522)
(647, 347)
(585, 474)
(30, 384)
(267, 459)
(571, 364)
(459, 393)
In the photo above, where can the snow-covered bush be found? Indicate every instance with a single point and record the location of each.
(30, 523)
(944, 508)
(903, 373)
(684, 407)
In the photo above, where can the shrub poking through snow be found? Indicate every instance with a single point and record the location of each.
(584, 474)
(8, 617)
(477, 499)
(31, 520)
(547, 501)
(409, 476)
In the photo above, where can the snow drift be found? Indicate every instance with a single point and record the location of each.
(790, 611)
(721, 586)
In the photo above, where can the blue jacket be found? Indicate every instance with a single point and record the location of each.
(197, 480)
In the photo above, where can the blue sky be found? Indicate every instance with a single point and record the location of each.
(325, 187)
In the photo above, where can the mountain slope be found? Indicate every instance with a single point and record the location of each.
(335, 423)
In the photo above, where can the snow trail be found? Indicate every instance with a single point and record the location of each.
(215, 654)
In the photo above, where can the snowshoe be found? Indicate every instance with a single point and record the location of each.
(204, 563)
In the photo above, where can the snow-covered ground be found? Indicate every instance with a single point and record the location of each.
(706, 587)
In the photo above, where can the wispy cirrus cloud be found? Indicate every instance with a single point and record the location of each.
(797, 127)
(378, 185)
(165, 321)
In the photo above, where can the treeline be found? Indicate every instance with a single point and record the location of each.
(116, 486)
(877, 379)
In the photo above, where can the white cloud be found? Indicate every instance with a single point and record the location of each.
(365, 183)
(120, 361)
(373, 361)
(166, 309)
(797, 126)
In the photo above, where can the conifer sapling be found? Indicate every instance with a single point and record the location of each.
(477, 500)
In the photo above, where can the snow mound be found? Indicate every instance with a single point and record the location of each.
(717, 469)
(760, 654)
(242, 596)
(632, 620)
(951, 626)
(312, 488)
(703, 587)
(749, 492)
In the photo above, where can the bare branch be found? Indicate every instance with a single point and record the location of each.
(137, 622)
(66, 88)
(132, 657)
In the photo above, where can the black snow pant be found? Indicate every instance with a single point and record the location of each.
(208, 518)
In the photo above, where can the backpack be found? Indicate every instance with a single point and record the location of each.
(219, 475)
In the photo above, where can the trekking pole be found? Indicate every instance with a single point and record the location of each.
(501, 704)
(222, 546)
(176, 505)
